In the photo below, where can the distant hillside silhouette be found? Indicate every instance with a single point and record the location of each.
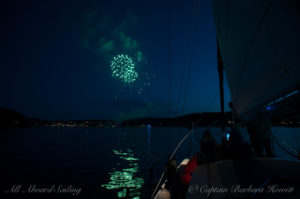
(201, 119)
(11, 118)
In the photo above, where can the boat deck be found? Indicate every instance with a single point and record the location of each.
(254, 178)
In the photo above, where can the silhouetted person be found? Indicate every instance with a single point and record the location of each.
(234, 147)
(234, 114)
(174, 183)
(207, 154)
(208, 148)
(259, 130)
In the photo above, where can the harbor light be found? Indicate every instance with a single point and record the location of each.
(268, 108)
(227, 136)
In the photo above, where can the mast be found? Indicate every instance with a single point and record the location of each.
(220, 70)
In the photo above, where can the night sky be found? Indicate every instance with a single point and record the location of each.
(55, 58)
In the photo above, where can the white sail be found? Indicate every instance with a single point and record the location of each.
(259, 42)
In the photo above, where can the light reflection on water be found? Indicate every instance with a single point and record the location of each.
(126, 180)
(73, 156)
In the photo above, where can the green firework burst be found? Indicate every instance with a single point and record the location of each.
(122, 67)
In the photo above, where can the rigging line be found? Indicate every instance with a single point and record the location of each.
(284, 149)
(189, 132)
(190, 61)
(170, 64)
(284, 142)
(185, 74)
(188, 48)
(189, 42)
(196, 124)
(179, 144)
(296, 139)
(195, 6)
(228, 19)
(181, 85)
(197, 13)
(250, 45)
(188, 80)
(170, 52)
(196, 10)
(157, 185)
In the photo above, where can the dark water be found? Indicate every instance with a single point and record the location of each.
(97, 162)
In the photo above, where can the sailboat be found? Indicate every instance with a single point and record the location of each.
(258, 48)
